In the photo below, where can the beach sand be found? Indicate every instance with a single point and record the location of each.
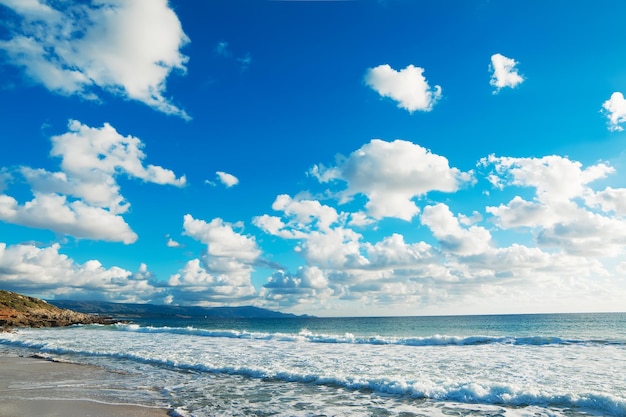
(32, 387)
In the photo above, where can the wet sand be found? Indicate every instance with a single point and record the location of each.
(32, 387)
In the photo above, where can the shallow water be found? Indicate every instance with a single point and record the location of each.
(527, 365)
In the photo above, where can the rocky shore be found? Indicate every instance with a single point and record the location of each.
(18, 310)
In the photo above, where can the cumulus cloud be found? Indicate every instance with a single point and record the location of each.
(451, 235)
(96, 154)
(306, 212)
(609, 200)
(51, 274)
(565, 226)
(307, 286)
(615, 109)
(394, 252)
(83, 200)
(504, 73)
(325, 242)
(391, 175)
(194, 284)
(408, 87)
(560, 213)
(126, 48)
(45, 272)
(171, 243)
(227, 179)
(345, 266)
(338, 249)
(568, 229)
(221, 239)
(223, 272)
(554, 177)
(74, 218)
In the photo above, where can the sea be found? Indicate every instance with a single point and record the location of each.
(499, 365)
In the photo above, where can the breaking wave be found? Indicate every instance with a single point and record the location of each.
(349, 338)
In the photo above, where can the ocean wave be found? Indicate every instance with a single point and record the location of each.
(349, 338)
(454, 390)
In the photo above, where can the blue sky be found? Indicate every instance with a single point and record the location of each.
(323, 157)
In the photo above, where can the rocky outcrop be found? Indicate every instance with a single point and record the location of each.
(18, 310)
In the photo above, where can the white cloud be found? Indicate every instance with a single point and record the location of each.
(84, 200)
(126, 48)
(504, 72)
(302, 215)
(47, 273)
(391, 175)
(31, 8)
(408, 87)
(560, 214)
(587, 235)
(555, 178)
(515, 277)
(75, 218)
(274, 226)
(91, 157)
(28, 269)
(348, 267)
(336, 249)
(223, 272)
(227, 179)
(566, 226)
(194, 284)
(171, 243)
(521, 213)
(307, 286)
(394, 252)
(574, 228)
(615, 109)
(221, 239)
(451, 235)
(325, 242)
(307, 212)
(609, 200)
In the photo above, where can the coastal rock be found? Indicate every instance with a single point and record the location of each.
(18, 310)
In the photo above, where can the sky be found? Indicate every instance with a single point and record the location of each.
(333, 158)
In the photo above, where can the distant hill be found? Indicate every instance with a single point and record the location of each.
(17, 310)
(124, 310)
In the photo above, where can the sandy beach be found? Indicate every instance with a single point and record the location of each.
(32, 387)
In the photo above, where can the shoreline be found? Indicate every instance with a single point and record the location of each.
(35, 387)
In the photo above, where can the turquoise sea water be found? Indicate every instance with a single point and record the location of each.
(517, 365)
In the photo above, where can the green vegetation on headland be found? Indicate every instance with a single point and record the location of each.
(18, 310)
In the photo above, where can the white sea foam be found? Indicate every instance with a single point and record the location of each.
(549, 373)
(348, 338)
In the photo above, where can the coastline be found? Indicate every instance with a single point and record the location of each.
(36, 387)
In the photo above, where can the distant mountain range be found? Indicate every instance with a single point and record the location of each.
(124, 310)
